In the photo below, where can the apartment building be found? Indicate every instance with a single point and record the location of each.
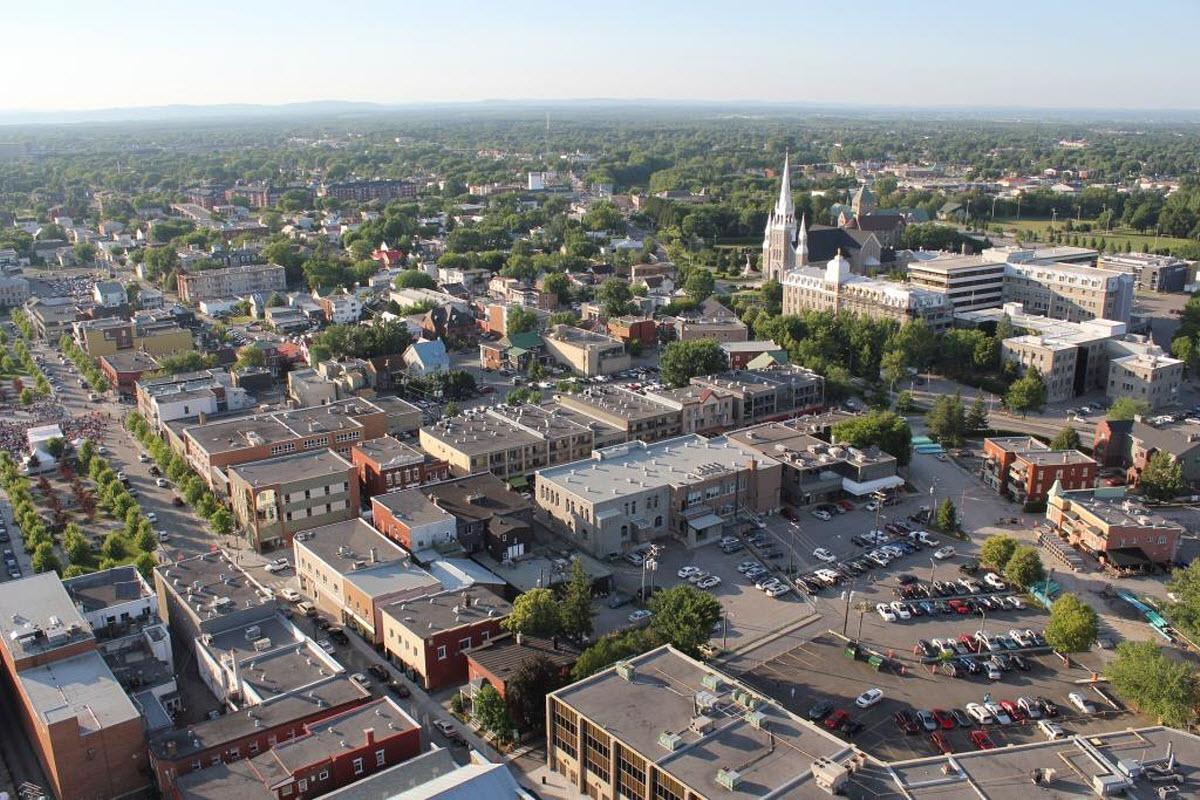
(188, 395)
(701, 409)
(210, 284)
(1179, 440)
(369, 190)
(684, 730)
(341, 307)
(1023, 468)
(387, 464)
(838, 290)
(14, 291)
(335, 752)
(970, 282)
(636, 416)
(431, 636)
(276, 498)
(688, 487)
(1062, 290)
(212, 447)
(771, 393)
(328, 381)
(1153, 273)
(815, 470)
(87, 734)
(1054, 359)
(634, 329)
(350, 571)
(409, 517)
(1116, 529)
(109, 335)
(718, 328)
(1151, 378)
(585, 352)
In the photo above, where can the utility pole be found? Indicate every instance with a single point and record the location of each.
(932, 569)
(724, 627)
(847, 595)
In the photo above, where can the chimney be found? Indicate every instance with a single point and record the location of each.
(369, 733)
(374, 556)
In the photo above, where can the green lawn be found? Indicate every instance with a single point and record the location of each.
(1118, 235)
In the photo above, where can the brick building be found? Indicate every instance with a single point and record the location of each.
(488, 515)
(497, 661)
(125, 368)
(409, 517)
(430, 636)
(387, 464)
(1116, 529)
(1023, 469)
(634, 329)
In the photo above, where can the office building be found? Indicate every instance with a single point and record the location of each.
(350, 570)
(1113, 527)
(238, 281)
(387, 464)
(109, 335)
(1152, 273)
(970, 282)
(14, 291)
(585, 352)
(276, 498)
(636, 416)
(51, 316)
(837, 290)
(1153, 378)
(1023, 468)
(688, 487)
(366, 191)
(188, 395)
(772, 393)
(87, 734)
(431, 635)
(1045, 282)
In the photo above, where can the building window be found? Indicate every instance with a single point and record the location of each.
(303, 785)
(323, 775)
(441, 653)
(464, 644)
(253, 748)
(286, 790)
(358, 766)
(380, 758)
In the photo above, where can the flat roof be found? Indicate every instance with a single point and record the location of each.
(541, 420)
(81, 688)
(635, 466)
(366, 558)
(782, 441)
(660, 698)
(954, 262)
(448, 610)
(389, 452)
(1051, 458)
(581, 338)
(412, 507)
(110, 587)
(476, 497)
(749, 347)
(1114, 507)
(617, 401)
(474, 434)
(216, 585)
(131, 361)
(37, 615)
(259, 429)
(759, 380)
(435, 775)
(318, 463)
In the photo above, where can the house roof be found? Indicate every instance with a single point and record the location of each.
(504, 656)
(1176, 438)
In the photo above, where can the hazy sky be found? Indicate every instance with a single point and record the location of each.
(73, 54)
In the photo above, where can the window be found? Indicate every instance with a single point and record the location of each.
(358, 766)
(286, 790)
(196, 764)
(464, 644)
(441, 653)
(253, 748)
(380, 758)
(303, 785)
(323, 775)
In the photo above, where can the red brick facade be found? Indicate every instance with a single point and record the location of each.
(375, 479)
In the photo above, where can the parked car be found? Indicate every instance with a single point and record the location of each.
(640, 615)
(886, 612)
(1081, 703)
(819, 710)
(869, 698)
(824, 555)
(979, 713)
(836, 720)
(981, 740)
(1051, 730)
(278, 565)
(927, 720)
(943, 553)
(326, 645)
(905, 722)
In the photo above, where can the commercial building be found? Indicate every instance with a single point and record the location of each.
(212, 447)
(1150, 272)
(1023, 468)
(366, 191)
(585, 352)
(276, 498)
(836, 289)
(409, 517)
(688, 487)
(970, 282)
(664, 725)
(488, 515)
(328, 381)
(516, 352)
(431, 635)
(701, 409)
(496, 662)
(14, 291)
(188, 395)
(1152, 378)
(634, 329)
(109, 335)
(815, 470)
(327, 755)
(636, 416)
(1113, 527)
(435, 775)
(772, 393)
(87, 734)
(387, 464)
(51, 316)
(125, 368)
(350, 570)
(1055, 288)
(210, 284)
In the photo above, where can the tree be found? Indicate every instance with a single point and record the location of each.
(613, 647)
(1067, 439)
(221, 521)
(1162, 478)
(145, 563)
(86, 451)
(44, 558)
(250, 356)
(490, 710)
(893, 367)
(1124, 408)
(615, 296)
(113, 547)
(1154, 683)
(905, 404)
(947, 516)
(886, 430)
(1073, 626)
(685, 616)
(1185, 585)
(527, 688)
(56, 446)
(520, 320)
(535, 613)
(414, 279)
(682, 361)
(576, 608)
(977, 417)
(947, 420)
(699, 285)
(997, 550)
(557, 284)
(27, 396)
(1025, 568)
(146, 541)
(1027, 393)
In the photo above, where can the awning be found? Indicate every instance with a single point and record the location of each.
(859, 489)
(1127, 557)
(705, 522)
(518, 482)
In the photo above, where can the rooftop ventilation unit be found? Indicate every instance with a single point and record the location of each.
(626, 671)
(670, 741)
(728, 778)
(701, 724)
(757, 720)
(829, 775)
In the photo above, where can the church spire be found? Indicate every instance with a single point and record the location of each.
(783, 206)
(802, 242)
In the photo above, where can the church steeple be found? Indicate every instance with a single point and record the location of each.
(778, 253)
(784, 206)
(802, 242)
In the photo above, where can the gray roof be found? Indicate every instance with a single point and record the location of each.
(435, 776)
(98, 590)
(448, 610)
(37, 615)
(215, 583)
(1174, 438)
(366, 558)
(314, 464)
(81, 688)
(411, 507)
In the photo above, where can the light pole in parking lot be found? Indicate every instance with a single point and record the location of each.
(932, 568)
(649, 563)
(847, 595)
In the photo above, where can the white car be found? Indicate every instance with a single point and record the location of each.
(1020, 638)
(278, 565)
(824, 555)
(942, 553)
(687, 572)
(1080, 702)
(121, 476)
(993, 580)
(289, 594)
(822, 515)
(641, 614)
(746, 566)
(362, 680)
(999, 713)
(901, 610)
(1030, 707)
(143, 458)
(708, 582)
(150, 515)
(926, 539)
(777, 590)
(869, 698)
(1051, 730)
(979, 713)
(635, 558)
(871, 506)
(326, 645)
(161, 483)
(163, 536)
(885, 611)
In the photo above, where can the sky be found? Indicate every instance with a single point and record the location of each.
(89, 54)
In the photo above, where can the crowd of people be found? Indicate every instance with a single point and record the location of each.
(17, 420)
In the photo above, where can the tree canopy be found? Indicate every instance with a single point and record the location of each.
(1162, 477)
(1073, 626)
(887, 430)
(685, 616)
(1155, 683)
(682, 361)
(535, 613)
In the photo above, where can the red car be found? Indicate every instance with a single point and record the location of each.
(969, 642)
(845, 505)
(1013, 710)
(959, 607)
(944, 719)
(836, 720)
(939, 743)
(981, 740)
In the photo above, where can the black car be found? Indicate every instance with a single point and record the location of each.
(905, 722)
(379, 671)
(961, 718)
(1019, 662)
(1047, 706)
(861, 541)
(322, 623)
(970, 665)
(820, 710)
(905, 580)
(399, 688)
(969, 568)
(925, 648)
(616, 600)
(338, 634)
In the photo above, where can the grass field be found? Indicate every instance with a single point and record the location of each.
(1119, 235)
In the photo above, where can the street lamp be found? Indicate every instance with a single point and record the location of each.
(847, 595)
(650, 563)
